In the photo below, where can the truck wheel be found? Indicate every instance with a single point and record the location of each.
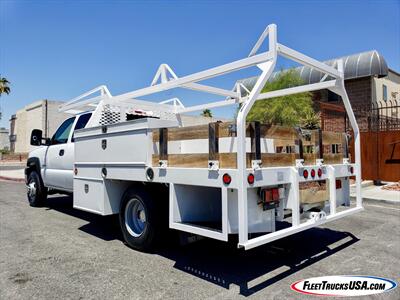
(139, 220)
(36, 191)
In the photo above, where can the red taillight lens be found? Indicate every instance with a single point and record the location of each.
(226, 178)
(319, 172)
(275, 194)
(351, 170)
(312, 173)
(250, 178)
(76, 171)
(338, 184)
(268, 195)
(305, 174)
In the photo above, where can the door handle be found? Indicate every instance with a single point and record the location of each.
(61, 153)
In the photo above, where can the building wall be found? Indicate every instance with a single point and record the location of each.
(28, 118)
(34, 116)
(4, 139)
(392, 82)
(12, 132)
(359, 92)
(54, 118)
(360, 96)
(366, 95)
(191, 120)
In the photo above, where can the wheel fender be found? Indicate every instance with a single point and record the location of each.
(33, 164)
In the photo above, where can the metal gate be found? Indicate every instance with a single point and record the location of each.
(380, 136)
(380, 140)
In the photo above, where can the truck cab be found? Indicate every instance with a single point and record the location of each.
(50, 167)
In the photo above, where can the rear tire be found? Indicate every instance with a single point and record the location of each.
(36, 191)
(140, 220)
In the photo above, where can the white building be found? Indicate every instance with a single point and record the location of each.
(4, 139)
(41, 115)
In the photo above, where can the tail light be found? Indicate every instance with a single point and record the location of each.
(312, 173)
(338, 184)
(305, 174)
(271, 195)
(226, 178)
(250, 178)
(269, 198)
(319, 172)
(267, 195)
(275, 194)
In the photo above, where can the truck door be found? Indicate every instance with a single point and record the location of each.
(58, 155)
(69, 162)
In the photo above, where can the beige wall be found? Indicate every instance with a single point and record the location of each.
(28, 118)
(55, 118)
(4, 139)
(33, 116)
(190, 120)
(392, 81)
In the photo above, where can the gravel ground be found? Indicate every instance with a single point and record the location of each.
(58, 252)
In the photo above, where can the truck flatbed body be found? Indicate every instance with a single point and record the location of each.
(140, 160)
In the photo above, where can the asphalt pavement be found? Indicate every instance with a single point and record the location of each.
(58, 252)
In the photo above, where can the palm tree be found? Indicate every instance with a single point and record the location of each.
(4, 86)
(206, 113)
(311, 120)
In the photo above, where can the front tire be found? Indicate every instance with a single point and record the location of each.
(36, 191)
(139, 220)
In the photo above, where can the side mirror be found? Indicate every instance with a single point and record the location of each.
(36, 137)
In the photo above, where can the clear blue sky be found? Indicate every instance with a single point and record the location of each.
(57, 50)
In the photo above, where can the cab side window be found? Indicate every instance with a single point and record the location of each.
(62, 133)
(81, 123)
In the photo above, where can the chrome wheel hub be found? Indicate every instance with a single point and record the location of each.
(135, 217)
(31, 189)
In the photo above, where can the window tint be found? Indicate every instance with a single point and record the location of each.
(332, 97)
(384, 89)
(62, 133)
(82, 121)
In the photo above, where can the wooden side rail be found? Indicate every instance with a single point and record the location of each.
(255, 137)
(213, 142)
(163, 142)
(226, 160)
(286, 139)
(202, 131)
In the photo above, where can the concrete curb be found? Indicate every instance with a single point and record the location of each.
(12, 179)
(365, 183)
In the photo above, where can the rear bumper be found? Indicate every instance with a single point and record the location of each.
(267, 238)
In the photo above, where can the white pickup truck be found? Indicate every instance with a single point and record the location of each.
(122, 155)
(51, 166)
